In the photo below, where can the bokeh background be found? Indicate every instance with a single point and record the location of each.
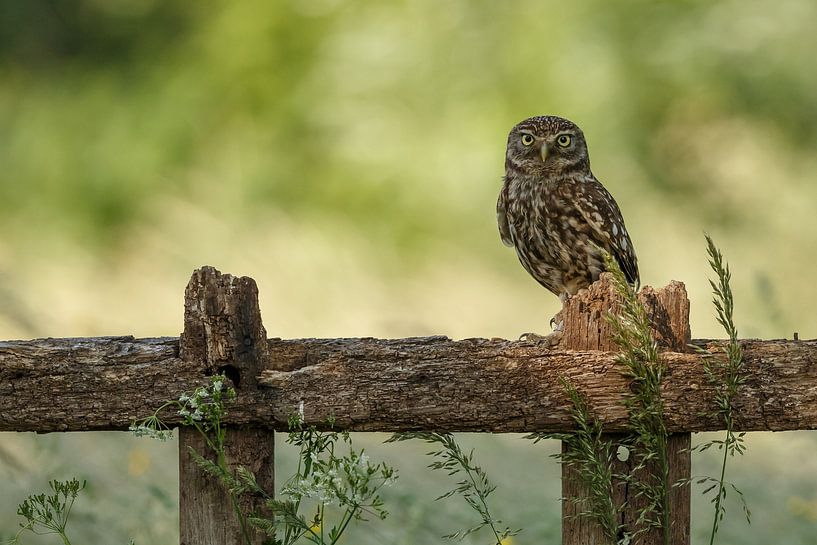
(347, 155)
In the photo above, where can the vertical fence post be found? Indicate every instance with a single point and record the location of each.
(222, 333)
(585, 328)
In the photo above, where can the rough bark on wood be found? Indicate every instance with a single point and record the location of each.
(223, 333)
(222, 326)
(430, 383)
(586, 328)
(206, 515)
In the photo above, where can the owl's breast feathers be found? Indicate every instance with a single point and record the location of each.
(602, 222)
(557, 228)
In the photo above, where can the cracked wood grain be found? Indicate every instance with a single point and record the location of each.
(429, 383)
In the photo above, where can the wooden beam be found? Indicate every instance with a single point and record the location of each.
(493, 385)
(223, 333)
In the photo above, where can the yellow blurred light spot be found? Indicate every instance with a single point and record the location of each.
(138, 462)
(802, 507)
(316, 527)
(507, 541)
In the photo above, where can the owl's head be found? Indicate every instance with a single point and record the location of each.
(546, 145)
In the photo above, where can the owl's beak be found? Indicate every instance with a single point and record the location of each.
(543, 151)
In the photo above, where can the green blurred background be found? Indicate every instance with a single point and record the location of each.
(347, 155)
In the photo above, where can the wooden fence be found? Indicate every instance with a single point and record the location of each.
(423, 383)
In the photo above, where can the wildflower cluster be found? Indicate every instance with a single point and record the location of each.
(340, 481)
(206, 404)
(203, 409)
(152, 426)
(348, 482)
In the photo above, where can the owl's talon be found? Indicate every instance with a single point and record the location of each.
(550, 340)
(557, 323)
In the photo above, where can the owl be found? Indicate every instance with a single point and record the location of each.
(555, 213)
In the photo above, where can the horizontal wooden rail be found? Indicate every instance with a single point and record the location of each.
(495, 385)
(423, 383)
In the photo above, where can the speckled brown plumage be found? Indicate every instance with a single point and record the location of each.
(555, 213)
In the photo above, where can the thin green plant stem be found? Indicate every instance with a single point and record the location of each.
(474, 488)
(322, 511)
(221, 457)
(718, 497)
(726, 375)
(482, 500)
(245, 532)
(344, 523)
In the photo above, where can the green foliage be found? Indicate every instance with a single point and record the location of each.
(474, 486)
(591, 458)
(302, 116)
(648, 432)
(326, 476)
(202, 409)
(590, 455)
(48, 513)
(349, 481)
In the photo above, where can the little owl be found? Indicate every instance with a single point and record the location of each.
(555, 213)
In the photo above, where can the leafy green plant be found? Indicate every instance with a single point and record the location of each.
(204, 410)
(350, 482)
(474, 486)
(331, 474)
(591, 455)
(648, 437)
(725, 374)
(49, 513)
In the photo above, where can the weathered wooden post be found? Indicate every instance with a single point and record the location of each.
(585, 328)
(222, 333)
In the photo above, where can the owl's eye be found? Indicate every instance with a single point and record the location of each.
(527, 139)
(564, 140)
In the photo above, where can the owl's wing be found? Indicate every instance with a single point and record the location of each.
(600, 211)
(502, 217)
